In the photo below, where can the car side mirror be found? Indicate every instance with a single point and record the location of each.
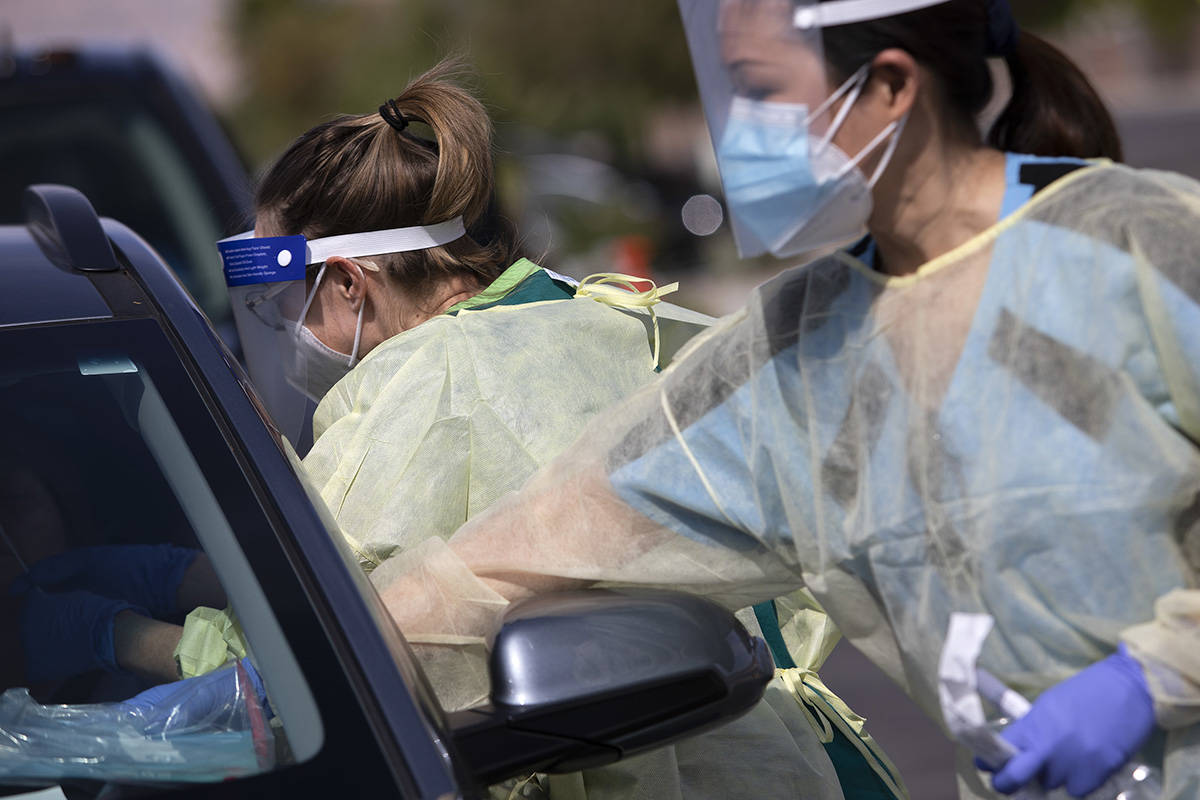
(582, 679)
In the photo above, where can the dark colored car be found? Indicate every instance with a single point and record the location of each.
(125, 129)
(130, 423)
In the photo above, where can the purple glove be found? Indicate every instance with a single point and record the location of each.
(68, 633)
(1082, 730)
(211, 700)
(146, 575)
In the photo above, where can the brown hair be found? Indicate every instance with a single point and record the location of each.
(1054, 111)
(360, 173)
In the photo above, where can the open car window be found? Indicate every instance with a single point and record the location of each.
(109, 445)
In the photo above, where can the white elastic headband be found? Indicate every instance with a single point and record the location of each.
(374, 243)
(844, 12)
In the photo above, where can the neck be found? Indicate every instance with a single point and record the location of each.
(409, 311)
(942, 198)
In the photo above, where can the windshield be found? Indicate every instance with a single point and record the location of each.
(112, 472)
(117, 154)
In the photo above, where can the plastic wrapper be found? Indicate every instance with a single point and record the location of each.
(192, 733)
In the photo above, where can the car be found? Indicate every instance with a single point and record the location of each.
(120, 124)
(130, 422)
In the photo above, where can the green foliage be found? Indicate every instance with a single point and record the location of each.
(553, 65)
(306, 60)
(1169, 21)
(565, 66)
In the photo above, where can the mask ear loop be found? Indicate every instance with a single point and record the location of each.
(357, 327)
(858, 80)
(853, 85)
(311, 295)
(889, 152)
(362, 306)
(357, 334)
(891, 128)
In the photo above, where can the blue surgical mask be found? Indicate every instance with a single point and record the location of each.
(787, 191)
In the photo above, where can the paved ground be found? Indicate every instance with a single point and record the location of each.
(1163, 140)
(922, 754)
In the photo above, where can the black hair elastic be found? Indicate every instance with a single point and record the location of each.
(392, 116)
(1002, 29)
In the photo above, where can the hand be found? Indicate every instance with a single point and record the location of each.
(68, 633)
(146, 575)
(1082, 730)
(205, 701)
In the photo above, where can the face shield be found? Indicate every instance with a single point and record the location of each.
(773, 112)
(272, 283)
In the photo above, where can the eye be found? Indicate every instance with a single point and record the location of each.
(754, 90)
(753, 84)
(759, 93)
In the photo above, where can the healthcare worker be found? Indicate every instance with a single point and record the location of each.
(447, 370)
(990, 403)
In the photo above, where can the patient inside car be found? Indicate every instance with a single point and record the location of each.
(107, 522)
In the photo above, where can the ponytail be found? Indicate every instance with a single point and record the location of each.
(375, 171)
(1054, 110)
(462, 134)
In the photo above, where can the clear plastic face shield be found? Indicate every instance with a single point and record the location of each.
(773, 112)
(273, 282)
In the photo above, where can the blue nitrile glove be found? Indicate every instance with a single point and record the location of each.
(68, 633)
(209, 700)
(1082, 730)
(147, 575)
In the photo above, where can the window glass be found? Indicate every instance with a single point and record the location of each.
(117, 154)
(114, 487)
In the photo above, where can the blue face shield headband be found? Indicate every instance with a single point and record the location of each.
(249, 259)
(266, 280)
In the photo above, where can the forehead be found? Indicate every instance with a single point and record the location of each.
(762, 31)
(759, 43)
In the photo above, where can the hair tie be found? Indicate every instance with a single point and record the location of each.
(1002, 31)
(390, 112)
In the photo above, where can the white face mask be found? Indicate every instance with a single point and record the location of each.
(316, 366)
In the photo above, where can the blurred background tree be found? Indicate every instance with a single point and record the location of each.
(305, 59)
(1170, 22)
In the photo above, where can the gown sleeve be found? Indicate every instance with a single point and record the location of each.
(637, 500)
(1166, 248)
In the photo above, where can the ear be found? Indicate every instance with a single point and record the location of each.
(894, 82)
(347, 279)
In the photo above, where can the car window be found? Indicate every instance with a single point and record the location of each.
(110, 446)
(114, 151)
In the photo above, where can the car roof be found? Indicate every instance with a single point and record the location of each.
(35, 290)
(70, 65)
(62, 265)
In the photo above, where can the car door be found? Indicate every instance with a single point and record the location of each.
(117, 438)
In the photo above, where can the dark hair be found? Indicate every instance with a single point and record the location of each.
(1054, 111)
(362, 173)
